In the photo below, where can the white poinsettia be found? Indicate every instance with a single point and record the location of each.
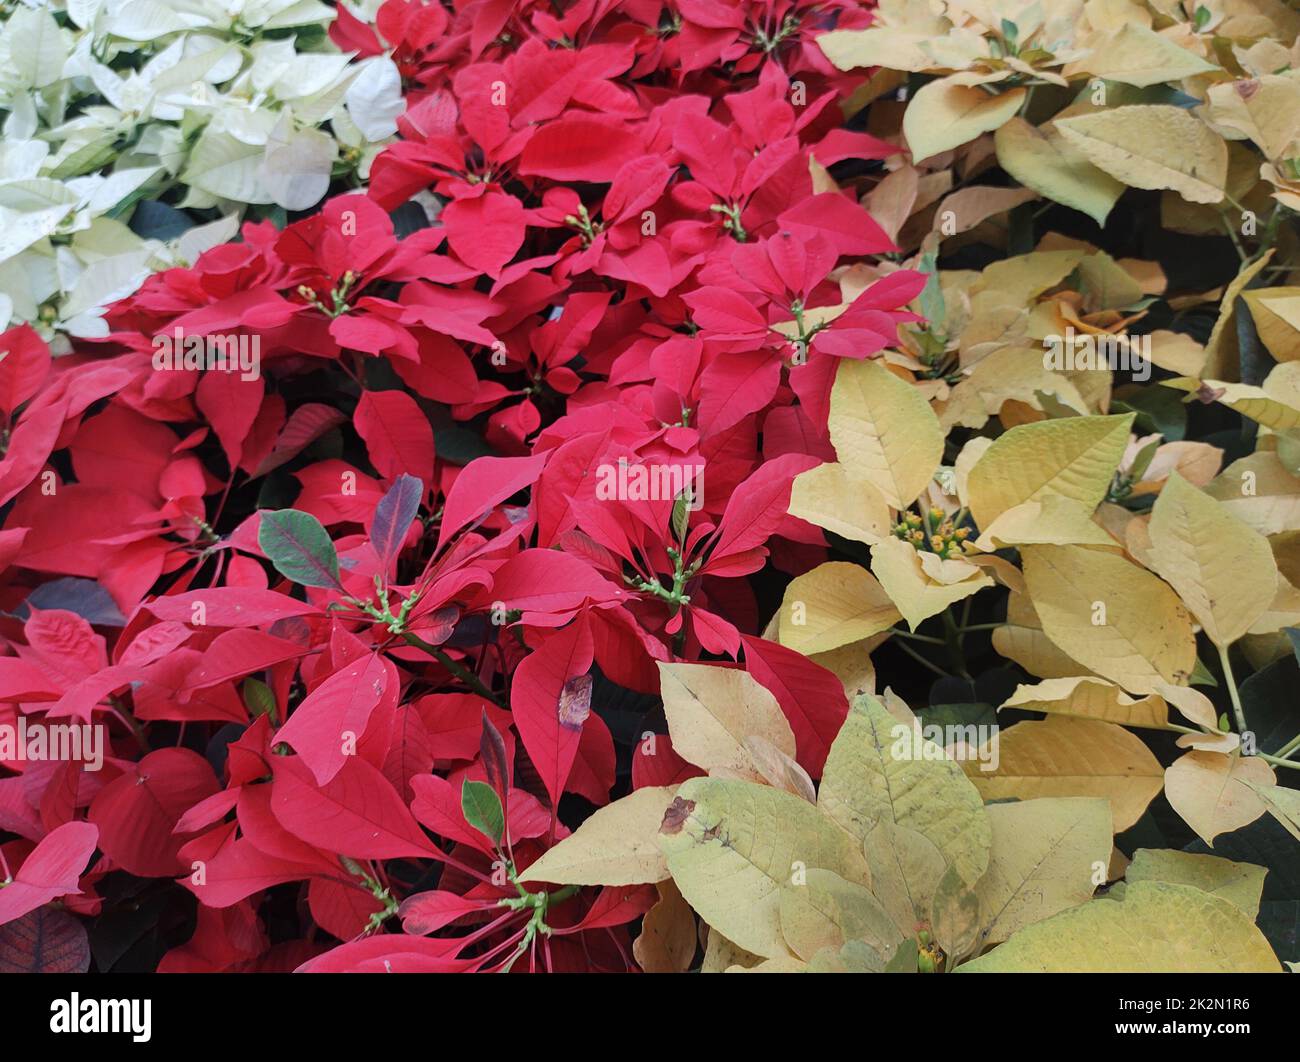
(212, 106)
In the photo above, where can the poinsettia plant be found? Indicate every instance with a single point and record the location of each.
(516, 540)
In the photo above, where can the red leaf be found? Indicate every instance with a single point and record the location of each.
(427, 912)
(811, 697)
(358, 813)
(398, 436)
(24, 365)
(482, 485)
(228, 607)
(580, 147)
(52, 870)
(137, 812)
(535, 698)
(327, 726)
(485, 232)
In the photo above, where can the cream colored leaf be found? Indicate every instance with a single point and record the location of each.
(824, 910)
(835, 604)
(1265, 110)
(1137, 55)
(1091, 698)
(1053, 521)
(831, 497)
(1115, 618)
(884, 430)
(1159, 927)
(1221, 568)
(898, 566)
(1074, 458)
(1260, 492)
(1239, 883)
(1063, 757)
(1214, 793)
(617, 845)
(712, 710)
(779, 769)
(1153, 146)
(906, 869)
(945, 114)
(1276, 315)
(731, 846)
(881, 769)
(1043, 860)
(1045, 162)
(721, 955)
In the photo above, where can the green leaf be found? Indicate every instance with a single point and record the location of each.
(481, 807)
(260, 699)
(299, 547)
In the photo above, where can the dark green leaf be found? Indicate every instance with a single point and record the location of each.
(299, 547)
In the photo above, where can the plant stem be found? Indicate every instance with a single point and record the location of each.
(1289, 747)
(916, 637)
(922, 660)
(466, 676)
(1232, 690)
(954, 645)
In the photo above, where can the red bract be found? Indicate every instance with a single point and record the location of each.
(360, 627)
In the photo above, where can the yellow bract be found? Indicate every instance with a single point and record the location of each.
(884, 430)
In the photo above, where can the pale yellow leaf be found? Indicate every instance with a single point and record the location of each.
(712, 710)
(1059, 756)
(1091, 698)
(830, 496)
(617, 845)
(1239, 883)
(835, 604)
(884, 430)
(1043, 860)
(1153, 146)
(945, 114)
(1221, 568)
(879, 769)
(1158, 927)
(897, 566)
(1074, 458)
(732, 845)
(1115, 618)
(1045, 162)
(1211, 791)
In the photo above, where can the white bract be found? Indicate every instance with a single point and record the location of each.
(199, 105)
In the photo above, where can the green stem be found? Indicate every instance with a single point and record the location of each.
(954, 645)
(922, 660)
(916, 637)
(1232, 690)
(464, 674)
(1289, 747)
